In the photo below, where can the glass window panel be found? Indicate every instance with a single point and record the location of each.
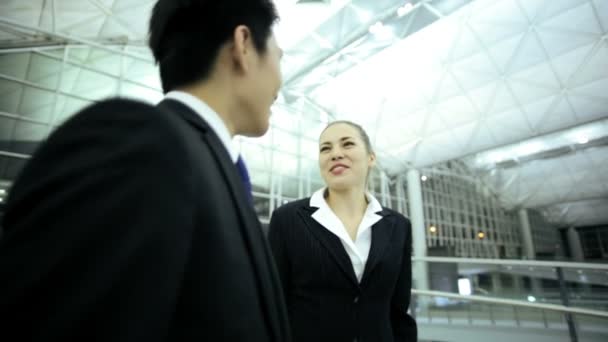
(285, 164)
(14, 64)
(257, 157)
(285, 141)
(289, 187)
(93, 85)
(7, 125)
(44, 71)
(35, 99)
(27, 132)
(140, 93)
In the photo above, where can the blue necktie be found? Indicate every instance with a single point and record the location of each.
(240, 165)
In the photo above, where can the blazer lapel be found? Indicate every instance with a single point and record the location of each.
(381, 238)
(251, 229)
(331, 242)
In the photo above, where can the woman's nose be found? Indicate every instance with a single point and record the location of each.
(336, 154)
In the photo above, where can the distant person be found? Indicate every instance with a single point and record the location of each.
(135, 223)
(343, 259)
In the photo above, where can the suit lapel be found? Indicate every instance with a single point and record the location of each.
(331, 242)
(381, 238)
(250, 227)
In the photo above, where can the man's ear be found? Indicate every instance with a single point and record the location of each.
(242, 48)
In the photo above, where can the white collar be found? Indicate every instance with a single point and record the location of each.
(328, 219)
(317, 200)
(210, 117)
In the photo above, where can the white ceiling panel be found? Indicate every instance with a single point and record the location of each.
(486, 74)
(503, 52)
(539, 111)
(526, 92)
(595, 89)
(457, 111)
(595, 67)
(542, 75)
(587, 109)
(562, 115)
(568, 63)
(577, 19)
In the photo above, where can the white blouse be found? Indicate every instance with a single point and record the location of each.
(357, 250)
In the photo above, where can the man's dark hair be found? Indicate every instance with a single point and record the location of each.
(186, 35)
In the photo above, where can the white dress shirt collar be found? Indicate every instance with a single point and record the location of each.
(358, 250)
(317, 200)
(210, 117)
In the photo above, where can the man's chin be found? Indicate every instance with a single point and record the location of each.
(258, 131)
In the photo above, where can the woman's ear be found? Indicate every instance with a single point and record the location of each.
(372, 159)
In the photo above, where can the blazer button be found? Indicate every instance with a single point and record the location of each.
(356, 300)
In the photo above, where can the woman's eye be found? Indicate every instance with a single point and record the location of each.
(349, 143)
(323, 149)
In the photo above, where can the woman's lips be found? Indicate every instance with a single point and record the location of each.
(338, 169)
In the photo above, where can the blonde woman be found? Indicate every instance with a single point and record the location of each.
(343, 259)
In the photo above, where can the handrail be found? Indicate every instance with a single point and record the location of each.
(549, 307)
(514, 262)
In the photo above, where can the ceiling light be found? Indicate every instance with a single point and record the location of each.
(324, 117)
(531, 299)
(405, 9)
(582, 140)
(324, 43)
(363, 15)
(424, 178)
(497, 157)
(381, 31)
(376, 27)
(481, 235)
(433, 229)
(530, 148)
(2, 191)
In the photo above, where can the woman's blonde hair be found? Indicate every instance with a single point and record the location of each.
(362, 133)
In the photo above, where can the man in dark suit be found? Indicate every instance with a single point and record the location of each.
(132, 222)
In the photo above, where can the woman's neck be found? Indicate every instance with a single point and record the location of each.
(347, 202)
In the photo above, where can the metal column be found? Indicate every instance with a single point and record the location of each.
(528, 247)
(574, 243)
(414, 192)
(526, 235)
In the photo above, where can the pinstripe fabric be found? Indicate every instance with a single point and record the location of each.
(324, 299)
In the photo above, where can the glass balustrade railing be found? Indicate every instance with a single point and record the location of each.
(557, 297)
(583, 284)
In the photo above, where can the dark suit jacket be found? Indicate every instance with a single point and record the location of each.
(324, 299)
(131, 223)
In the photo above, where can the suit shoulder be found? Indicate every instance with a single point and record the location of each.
(400, 217)
(289, 209)
(112, 106)
(292, 207)
(118, 116)
(110, 114)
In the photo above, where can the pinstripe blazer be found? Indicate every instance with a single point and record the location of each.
(324, 299)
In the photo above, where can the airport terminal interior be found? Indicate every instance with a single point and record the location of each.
(489, 119)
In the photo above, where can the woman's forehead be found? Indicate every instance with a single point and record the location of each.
(339, 131)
